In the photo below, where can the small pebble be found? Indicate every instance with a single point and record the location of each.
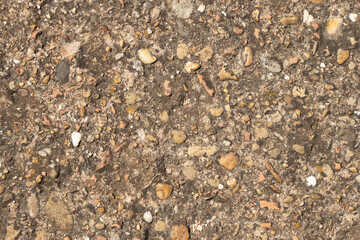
(146, 57)
(75, 138)
(148, 217)
(353, 17)
(311, 181)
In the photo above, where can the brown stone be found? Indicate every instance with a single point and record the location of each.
(229, 161)
(179, 232)
(163, 191)
(178, 136)
(342, 55)
(317, 1)
(288, 20)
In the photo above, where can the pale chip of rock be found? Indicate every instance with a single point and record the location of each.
(205, 54)
(178, 136)
(182, 50)
(298, 148)
(145, 56)
(261, 133)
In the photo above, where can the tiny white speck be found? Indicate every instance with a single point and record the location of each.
(221, 186)
(286, 77)
(322, 65)
(311, 181)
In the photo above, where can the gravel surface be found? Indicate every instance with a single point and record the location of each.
(179, 119)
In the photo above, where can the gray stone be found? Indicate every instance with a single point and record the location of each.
(33, 206)
(63, 71)
(347, 135)
(271, 64)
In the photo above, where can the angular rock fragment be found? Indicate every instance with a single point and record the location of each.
(179, 232)
(342, 55)
(178, 136)
(229, 161)
(163, 191)
(146, 57)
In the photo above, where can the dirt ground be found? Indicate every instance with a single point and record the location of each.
(179, 119)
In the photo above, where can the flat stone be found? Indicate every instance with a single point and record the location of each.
(179, 136)
(274, 117)
(155, 13)
(254, 147)
(238, 31)
(342, 55)
(198, 151)
(179, 232)
(298, 148)
(216, 111)
(182, 50)
(160, 226)
(261, 133)
(41, 235)
(11, 232)
(182, 8)
(63, 71)
(164, 116)
(328, 172)
(274, 153)
(271, 64)
(205, 54)
(163, 191)
(213, 182)
(100, 225)
(333, 25)
(229, 161)
(288, 20)
(347, 135)
(58, 212)
(357, 178)
(145, 56)
(189, 172)
(224, 75)
(317, 1)
(231, 182)
(33, 206)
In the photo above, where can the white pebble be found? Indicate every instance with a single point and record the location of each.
(307, 18)
(286, 77)
(220, 186)
(75, 138)
(16, 61)
(353, 17)
(148, 217)
(322, 65)
(311, 181)
(201, 8)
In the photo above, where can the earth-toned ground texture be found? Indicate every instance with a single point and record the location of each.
(179, 119)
